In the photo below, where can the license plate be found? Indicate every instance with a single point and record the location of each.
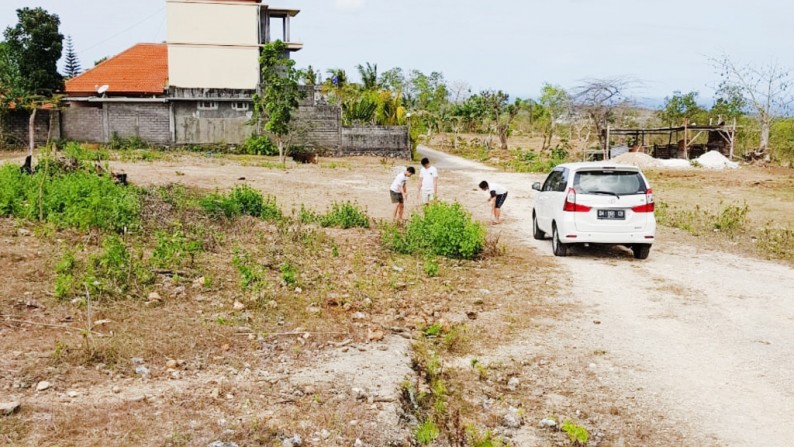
(612, 214)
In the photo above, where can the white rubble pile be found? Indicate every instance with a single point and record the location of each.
(715, 160)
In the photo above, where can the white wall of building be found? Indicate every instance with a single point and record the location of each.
(213, 44)
(213, 67)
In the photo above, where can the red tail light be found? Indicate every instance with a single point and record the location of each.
(571, 205)
(648, 206)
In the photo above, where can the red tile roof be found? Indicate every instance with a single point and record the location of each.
(140, 70)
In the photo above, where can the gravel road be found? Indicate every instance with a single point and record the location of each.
(704, 337)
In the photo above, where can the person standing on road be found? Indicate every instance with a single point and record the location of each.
(497, 197)
(428, 182)
(399, 192)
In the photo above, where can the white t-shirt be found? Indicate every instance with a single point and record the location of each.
(497, 189)
(399, 181)
(428, 176)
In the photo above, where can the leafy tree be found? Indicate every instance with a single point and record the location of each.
(729, 103)
(72, 68)
(36, 45)
(393, 80)
(767, 90)
(279, 94)
(501, 112)
(554, 102)
(369, 75)
(427, 92)
(679, 107)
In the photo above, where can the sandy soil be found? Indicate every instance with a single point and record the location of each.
(703, 337)
(689, 347)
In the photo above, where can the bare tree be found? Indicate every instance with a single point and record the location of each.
(599, 98)
(767, 90)
(459, 91)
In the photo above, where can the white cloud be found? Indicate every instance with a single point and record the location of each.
(349, 5)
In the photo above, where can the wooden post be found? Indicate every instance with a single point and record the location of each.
(733, 139)
(606, 145)
(686, 135)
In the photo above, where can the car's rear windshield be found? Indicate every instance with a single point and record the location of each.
(609, 182)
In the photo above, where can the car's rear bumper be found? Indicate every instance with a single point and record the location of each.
(581, 237)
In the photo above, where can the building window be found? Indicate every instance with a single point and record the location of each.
(241, 106)
(208, 105)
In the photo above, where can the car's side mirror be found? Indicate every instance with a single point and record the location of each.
(536, 186)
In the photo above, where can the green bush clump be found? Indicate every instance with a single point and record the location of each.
(76, 199)
(340, 215)
(345, 215)
(242, 200)
(259, 145)
(444, 229)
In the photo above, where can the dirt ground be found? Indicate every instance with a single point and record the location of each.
(690, 347)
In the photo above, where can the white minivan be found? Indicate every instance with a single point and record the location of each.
(595, 203)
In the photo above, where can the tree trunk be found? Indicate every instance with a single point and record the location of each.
(282, 157)
(763, 145)
(503, 138)
(32, 132)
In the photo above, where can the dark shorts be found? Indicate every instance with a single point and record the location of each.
(500, 200)
(396, 197)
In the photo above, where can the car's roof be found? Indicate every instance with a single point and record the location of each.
(596, 165)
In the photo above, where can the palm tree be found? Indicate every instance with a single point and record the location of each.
(369, 75)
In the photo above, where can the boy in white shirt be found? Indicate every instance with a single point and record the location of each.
(399, 192)
(498, 195)
(428, 182)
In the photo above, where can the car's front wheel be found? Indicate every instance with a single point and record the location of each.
(536, 233)
(641, 251)
(558, 247)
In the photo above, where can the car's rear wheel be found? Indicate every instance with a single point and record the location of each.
(536, 233)
(641, 251)
(558, 247)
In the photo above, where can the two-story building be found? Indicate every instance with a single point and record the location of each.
(194, 89)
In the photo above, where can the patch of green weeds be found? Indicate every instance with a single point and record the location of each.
(175, 249)
(427, 432)
(577, 434)
(252, 274)
(430, 266)
(289, 274)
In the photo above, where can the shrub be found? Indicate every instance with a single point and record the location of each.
(345, 215)
(75, 199)
(242, 200)
(444, 229)
(288, 273)
(259, 145)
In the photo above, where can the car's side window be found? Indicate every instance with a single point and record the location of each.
(548, 184)
(562, 181)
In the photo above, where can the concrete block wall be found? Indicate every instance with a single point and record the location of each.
(83, 124)
(224, 125)
(319, 127)
(15, 127)
(148, 121)
(381, 141)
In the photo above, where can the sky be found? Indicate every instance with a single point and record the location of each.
(512, 45)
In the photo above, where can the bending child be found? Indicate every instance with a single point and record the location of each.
(497, 197)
